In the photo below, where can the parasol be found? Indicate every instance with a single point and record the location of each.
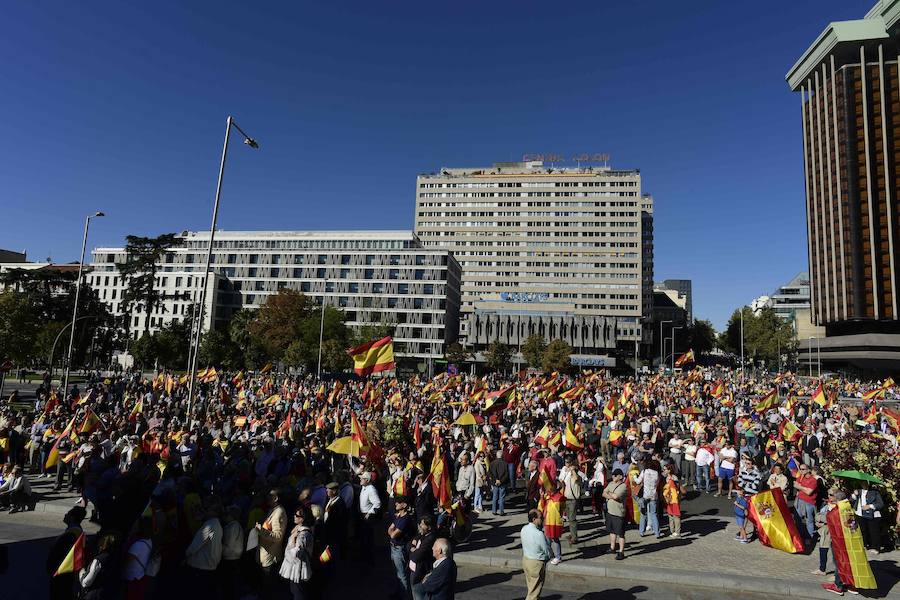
(466, 418)
(858, 475)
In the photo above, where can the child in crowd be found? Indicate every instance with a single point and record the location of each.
(740, 515)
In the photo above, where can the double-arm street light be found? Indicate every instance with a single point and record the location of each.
(674, 329)
(195, 346)
(87, 225)
(662, 350)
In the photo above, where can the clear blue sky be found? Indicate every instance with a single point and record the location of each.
(121, 106)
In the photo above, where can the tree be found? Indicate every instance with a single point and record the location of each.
(43, 341)
(250, 353)
(533, 350)
(143, 255)
(498, 356)
(556, 356)
(765, 334)
(334, 356)
(701, 337)
(456, 354)
(19, 325)
(279, 321)
(218, 349)
(334, 330)
(144, 350)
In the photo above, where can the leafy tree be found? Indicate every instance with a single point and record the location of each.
(765, 333)
(533, 350)
(556, 356)
(19, 323)
(701, 337)
(144, 350)
(278, 322)
(456, 354)
(498, 356)
(368, 333)
(335, 357)
(143, 255)
(250, 353)
(218, 349)
(43, 341)
(334, 330)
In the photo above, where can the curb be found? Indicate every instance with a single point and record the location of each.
(726, 583)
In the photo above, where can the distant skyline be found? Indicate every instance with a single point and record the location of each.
(122, 108)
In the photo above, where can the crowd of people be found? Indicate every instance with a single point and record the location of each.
(267, 483)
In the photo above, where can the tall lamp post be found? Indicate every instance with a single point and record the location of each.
(818, 356)
(662, 350)
(87, 225)
(321, 330)
(742, 344)
(674, 329)
(195, 346)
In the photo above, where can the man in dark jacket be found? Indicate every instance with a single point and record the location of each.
(63, 586)
(498, 474)
(440, 584)
(424, 502)
(334, 531)
(420, 555)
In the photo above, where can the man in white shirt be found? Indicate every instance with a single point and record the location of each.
(205, 551)
(704, 458)
(369, 505)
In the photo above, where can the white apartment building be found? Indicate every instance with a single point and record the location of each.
(373, 276)
(537, 243)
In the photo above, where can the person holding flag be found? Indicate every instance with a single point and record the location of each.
(553, 506)
(66, 558)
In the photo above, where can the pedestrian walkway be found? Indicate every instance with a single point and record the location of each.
(706, 554)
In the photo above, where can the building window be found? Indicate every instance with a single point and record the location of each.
(403, 288)
(345, 259)
(354, 288)
(254, 258)
(429, 288)
(251, 272)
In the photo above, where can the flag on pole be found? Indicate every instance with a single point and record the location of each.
(53, 456)
(789, 431)
(326, 555)
(773, 521)
(767, 402)
(497, 401)
(570, 440)
(373, 357)
(848, 548)
(819, 396)
(684, 359)
(892, 417)
(542, 436)
(91, 422)
(440, 480)
(74, 560)
(136, 410)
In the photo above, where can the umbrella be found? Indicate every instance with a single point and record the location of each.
(858, 475)
(466, 418)
(345, 445)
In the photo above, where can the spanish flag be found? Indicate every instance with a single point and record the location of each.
(91, 422)
(718, 390)
(497, 401)
(573, 394)
(609, 410)
(400, 487)
(326, 555)
(266, 368)
(819, 396)
(357, 434)
(440, 480)
(542, 436)
(570, 440)
(686, 358)
(335, 391)
(789, 431)
(767, 402)
(545, 479)
(137, 409)
(74, 560)
(892, 417)
(632, 508)
(773, 521)
(417, 433)
(848, 548)
(373, 357)
(553, 510)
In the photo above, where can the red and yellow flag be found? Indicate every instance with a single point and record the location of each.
(91, 422)
(789, 431)
(74, 560)
(848, 548)
(684, 359)
(718, 390)
(767, 402)
(53, 456)
(632, 508)
(892, 417)
(773, 521)
(570, 439)
(326, 555)
(819, 396)
(542, 436)
(440, 480)
(373, 357)
(554, 505)
(497, 401)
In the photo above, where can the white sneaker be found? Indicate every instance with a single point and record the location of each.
(555, 561)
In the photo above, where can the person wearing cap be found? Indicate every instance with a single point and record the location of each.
(334, 520)
(615, 494)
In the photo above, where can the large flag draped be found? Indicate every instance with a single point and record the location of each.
(848, 548)
(553, 521)
(439, 477)
(773, 521)
(684, 359)
(373, 357)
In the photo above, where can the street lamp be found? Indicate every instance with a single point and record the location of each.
(195, 346)
(321, 329)
(87, 225)
(662, 356)
(818, 356)
(742, 344)
(674, 329)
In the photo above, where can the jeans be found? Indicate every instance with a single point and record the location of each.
(511, 469)
(807, 512)
(648, 509)
(823, 559)
(702, 478)
(556, 546)
(498, 497)
(479, 501)
(417, 592)
(400, 559)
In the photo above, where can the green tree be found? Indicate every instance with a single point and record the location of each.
(335, 357)
(19, 324)
(335, 330)
(172, 344)
(701, 337)
(250, 353)
(556, 356)
(498, 356)
(218, 349)
(43, 341)
(143, 255)
(456, 354)
(765, 334)
(144, 350)
(279, 321)
(533, 351)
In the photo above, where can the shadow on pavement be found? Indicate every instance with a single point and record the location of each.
(487, 579)
(615, 594)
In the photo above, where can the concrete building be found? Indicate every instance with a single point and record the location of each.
(373, 276)
(684, 289)
(850, 118)
(544, 250)
(791, 297)
(11, 256)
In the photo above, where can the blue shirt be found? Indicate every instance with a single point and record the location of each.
(740, 511)
(534, 543)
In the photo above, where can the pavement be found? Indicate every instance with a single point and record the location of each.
(706, 555)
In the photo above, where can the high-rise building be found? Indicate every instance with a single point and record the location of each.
(850, 115)
(375, 277)
(791, 297)
(554, 251)
(685, 295)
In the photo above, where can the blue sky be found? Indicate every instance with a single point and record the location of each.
(121, 106)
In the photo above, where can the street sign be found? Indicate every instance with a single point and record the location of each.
(6, 366)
